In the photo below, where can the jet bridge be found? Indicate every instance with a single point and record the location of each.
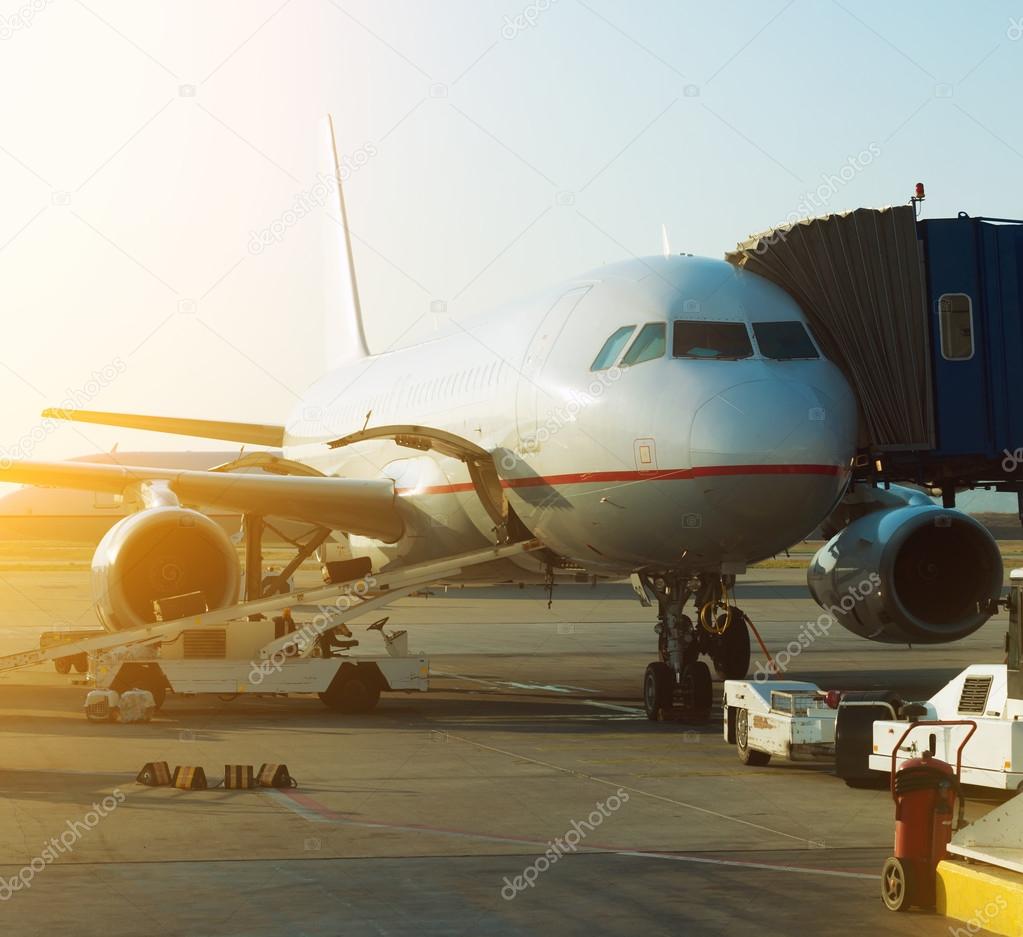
(925, 317)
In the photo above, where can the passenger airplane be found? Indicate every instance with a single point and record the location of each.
(669, 418)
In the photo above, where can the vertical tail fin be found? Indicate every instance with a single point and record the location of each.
(344, 337)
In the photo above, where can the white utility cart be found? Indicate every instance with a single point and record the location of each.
(788, 718)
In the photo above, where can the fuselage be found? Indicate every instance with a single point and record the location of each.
(662, 413)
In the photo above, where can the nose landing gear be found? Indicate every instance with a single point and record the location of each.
(679, 683)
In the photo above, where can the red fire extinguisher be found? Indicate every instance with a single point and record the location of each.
(927, 792)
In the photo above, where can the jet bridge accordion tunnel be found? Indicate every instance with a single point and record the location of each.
(926, 320)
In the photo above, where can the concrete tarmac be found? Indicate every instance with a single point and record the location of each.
(525, 793)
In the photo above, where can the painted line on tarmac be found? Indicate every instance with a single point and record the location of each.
(500, 684)
(621, 709)
(310, 809)
(836, 873)
(458, 676)
(315, 812)
(635, 790)
(305, 812)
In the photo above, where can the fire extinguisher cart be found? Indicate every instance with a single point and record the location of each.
(928, 801)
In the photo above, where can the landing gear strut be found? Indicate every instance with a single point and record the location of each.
(679, 680)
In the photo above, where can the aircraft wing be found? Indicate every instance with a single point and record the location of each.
(366, 507)
(258, 434)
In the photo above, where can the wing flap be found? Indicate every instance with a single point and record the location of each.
(365, 507)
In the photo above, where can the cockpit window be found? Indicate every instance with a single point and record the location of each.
(649, 344)
(783, 340)
(615, 343)
(711, 340)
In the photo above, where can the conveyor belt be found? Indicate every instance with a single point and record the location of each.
(385, 587)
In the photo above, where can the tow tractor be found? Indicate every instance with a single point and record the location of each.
(258, 647)
(989, 695)
(869, 732)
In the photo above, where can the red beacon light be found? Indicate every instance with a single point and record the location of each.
(920, 195)
(833, 698)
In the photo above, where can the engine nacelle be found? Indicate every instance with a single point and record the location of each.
(916, 574)
(158, 553)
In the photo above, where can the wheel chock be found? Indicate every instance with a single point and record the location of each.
(238, 777)
(275, 776)
(188, 778)
(154, 774)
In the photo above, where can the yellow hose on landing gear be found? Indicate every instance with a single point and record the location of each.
(706, 614)
(709, 623)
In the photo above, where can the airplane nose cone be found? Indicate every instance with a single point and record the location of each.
(771, 423)
(772, 458)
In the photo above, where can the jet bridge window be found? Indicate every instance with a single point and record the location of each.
(955, 319)
(608, 355)
(649, 344)
(783, 340)
(694, 339)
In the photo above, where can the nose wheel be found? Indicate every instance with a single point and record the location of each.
(679, 682)
(691, 696)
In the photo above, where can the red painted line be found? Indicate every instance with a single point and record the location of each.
(584, 478)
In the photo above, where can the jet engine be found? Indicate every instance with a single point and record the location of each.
(905, 571)
(156, 554)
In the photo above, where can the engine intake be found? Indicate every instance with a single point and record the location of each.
(156, 554)
(918, 574)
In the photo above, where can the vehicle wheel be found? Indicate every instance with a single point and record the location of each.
(747, 755)
(731, 650)
(896, 885)
(63, 664)
(697, 687)
(351, 692)
(658, 689)
(81, 662)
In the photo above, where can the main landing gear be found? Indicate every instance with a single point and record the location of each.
(679, 681)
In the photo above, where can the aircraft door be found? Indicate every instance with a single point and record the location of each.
(533, 402)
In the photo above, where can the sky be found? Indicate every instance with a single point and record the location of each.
(152, 155)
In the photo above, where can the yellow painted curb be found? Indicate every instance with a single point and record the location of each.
(981, 897)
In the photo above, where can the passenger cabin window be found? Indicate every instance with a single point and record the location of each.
(649, 344)
(608, 355)
(955, 318)
(711, 340)
(783, 340)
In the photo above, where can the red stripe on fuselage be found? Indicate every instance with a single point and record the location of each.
(584, 478)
